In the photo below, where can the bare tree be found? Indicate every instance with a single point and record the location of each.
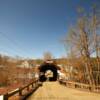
(47, 56)
(80, 40)
(95, 28)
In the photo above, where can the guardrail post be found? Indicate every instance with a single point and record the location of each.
(90, 88)
(20, 92)
(27, 88)
(5, 97)
(32, 85)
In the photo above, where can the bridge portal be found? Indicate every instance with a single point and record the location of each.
(48, 71)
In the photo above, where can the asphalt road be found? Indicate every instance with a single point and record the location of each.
(55, 91)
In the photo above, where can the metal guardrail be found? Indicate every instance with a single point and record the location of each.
(79, 85)
(34, 85)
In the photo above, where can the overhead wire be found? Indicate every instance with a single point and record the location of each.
(13, 42)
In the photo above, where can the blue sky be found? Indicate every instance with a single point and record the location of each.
(28, 28)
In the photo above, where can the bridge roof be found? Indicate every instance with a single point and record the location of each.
(51, 63)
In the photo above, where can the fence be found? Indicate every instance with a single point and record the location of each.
(31, 87)
(80, 86)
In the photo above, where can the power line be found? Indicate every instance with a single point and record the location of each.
(19, 48)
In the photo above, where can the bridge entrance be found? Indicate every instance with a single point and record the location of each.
(48, 71)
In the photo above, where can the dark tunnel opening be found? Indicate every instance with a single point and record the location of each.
(51, 68)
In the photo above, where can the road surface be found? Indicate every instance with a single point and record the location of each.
(55, 91)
